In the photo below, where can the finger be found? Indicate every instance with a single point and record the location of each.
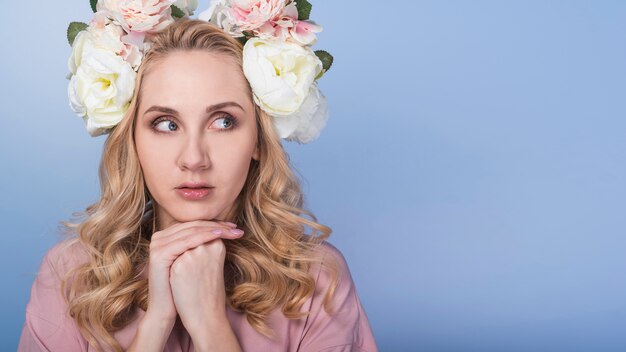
(228, 223)
(167, 232)
(213, 229)
(175, 248)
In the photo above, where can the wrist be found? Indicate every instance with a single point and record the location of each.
(156, 324)
(152, 334)
(214, 335)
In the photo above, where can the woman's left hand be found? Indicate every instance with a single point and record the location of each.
(197, 283)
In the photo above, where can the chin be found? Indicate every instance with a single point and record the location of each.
(192, 214)
(184, 211)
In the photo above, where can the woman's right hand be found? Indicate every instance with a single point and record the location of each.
(165, 246)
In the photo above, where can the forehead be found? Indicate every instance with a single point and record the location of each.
(185, 77)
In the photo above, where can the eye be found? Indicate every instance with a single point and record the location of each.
(168, 124)
(225, 122)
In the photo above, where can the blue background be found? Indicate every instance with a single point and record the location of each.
(473, 168)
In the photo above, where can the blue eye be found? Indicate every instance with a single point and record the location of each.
(226, 122)
(166, 125)
(170, 125)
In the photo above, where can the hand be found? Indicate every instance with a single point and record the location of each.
(197, 281)
(165, 247)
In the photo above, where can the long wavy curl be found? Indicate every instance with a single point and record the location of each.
(266, 269)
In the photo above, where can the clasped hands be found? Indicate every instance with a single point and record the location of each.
(186, 275)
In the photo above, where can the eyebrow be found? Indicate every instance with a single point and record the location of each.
(209, 109)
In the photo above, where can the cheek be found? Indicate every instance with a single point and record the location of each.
(153, 160)
(231, 162)
(152, 169)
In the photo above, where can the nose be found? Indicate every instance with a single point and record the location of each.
(194, 155)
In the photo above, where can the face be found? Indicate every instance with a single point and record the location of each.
(195, 124)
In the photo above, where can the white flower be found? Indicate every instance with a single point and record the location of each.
(216, 13)
(305, 124)
(101, 88)
(104, 34)
(77, 51)
(280, 74)
(187, 6)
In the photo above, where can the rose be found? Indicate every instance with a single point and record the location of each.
(237, 16)
(138, 15)
(187, 6)
(280, 74)
(305, 124)
(101, 87)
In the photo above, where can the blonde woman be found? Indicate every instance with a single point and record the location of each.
(199, 241)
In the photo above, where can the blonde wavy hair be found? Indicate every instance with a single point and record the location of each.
(267, 268)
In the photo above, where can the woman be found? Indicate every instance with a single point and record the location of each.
(197, 242)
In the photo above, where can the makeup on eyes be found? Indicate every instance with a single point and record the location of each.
(234, 122)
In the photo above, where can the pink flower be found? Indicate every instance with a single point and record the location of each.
(304, 32)
(267, 19)
(139, 15)
(238, 16)
(249, 15)
(134, 47)
(288, 27)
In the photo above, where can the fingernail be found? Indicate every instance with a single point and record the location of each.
(230, 224)
(236, 231)
(217, 231)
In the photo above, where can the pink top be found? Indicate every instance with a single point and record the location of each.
(48, 326)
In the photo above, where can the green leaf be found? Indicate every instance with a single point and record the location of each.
(327, 61)
(325, 58)
(304, 9)
(176, 12)
(73, 29)
(242, 39)
(93, 4)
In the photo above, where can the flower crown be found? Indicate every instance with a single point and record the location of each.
(278, 61)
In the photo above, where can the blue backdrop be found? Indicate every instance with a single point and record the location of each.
(473, 168)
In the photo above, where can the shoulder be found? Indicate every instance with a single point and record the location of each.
(55, 265)
(332, 262)
(344, 325)
(332, 275)
(328, 249)
(48, 321)
(60, 259)
(66, 253)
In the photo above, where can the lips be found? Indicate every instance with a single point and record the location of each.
(194, 185)
(194, 193)
(193, 190)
